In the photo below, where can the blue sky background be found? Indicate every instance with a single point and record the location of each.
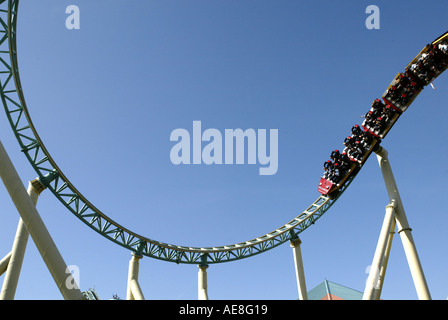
(106, 97)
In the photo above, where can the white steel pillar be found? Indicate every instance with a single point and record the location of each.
(202, 282)
(403, 227)
(4, 263)
(134, 291)
(374, 281)
(18, 249)
(36, 228)
(385, 261)
(300, 273)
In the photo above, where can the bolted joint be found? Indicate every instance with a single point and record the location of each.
(203, 267)
(48, 178)
(382, 152)
(295, 242)
(138, 253)
(37, 186)
(391, 204)
(203, 264)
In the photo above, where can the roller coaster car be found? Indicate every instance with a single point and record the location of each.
(327, 187)
(402, 91)
(430, 62)
(384, 130)
(367, 151)
(380, 119)
(331, 189)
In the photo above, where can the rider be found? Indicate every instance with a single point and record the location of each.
(356, 130)
(443, 47)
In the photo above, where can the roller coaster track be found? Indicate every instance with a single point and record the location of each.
(54, 179)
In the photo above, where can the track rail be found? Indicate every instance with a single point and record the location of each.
(53, 178)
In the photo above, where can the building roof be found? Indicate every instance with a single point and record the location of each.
(328, 290)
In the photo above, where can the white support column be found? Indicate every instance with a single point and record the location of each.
(137, 292)
(202, 282)
(374, 284)
(18, 250)
(385, 261)
(15, 264)
(36, 228)
(134, 291)
(403, 227)
(4, 263)
(300, 273)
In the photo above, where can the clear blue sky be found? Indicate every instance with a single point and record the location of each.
(106, 97)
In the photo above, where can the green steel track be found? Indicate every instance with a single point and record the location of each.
(54, 179)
